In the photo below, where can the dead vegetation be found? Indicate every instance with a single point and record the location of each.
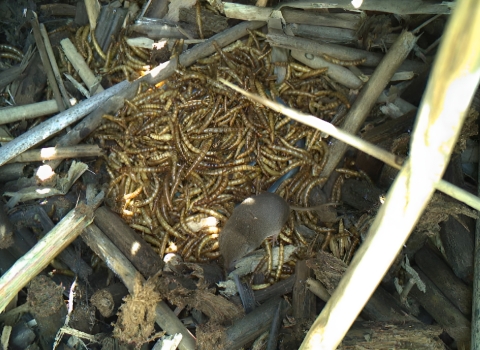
(128, 108)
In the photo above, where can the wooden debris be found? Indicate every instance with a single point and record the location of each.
(45, 60)
(252, 325)
(140, 254)
(383, 335)
(317, 288)
(253, 13)
(369, 94)
(55, 70)
(12, 114)
(443, 277)
(193, 286)
(86, 126)
(337, 20)
(57, 10)
(93, 11)
(55, 124)
(30, 85)
(211, 23)
(51, 153)
(110, 23)
(442, 310)
(92, 82)
(54, 186)
(44, 251)
(122, 267)
(303, 301)
(6, 229)
(371, 59)
(278, 289)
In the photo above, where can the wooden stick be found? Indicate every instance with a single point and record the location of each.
(53, 10)
(303, 301)
(276, 290)
(338, 20)
(53, 62)
(55, 124)
(439, 122)
(89, 124)
(402, 8)
(367, 97)
(438, 271)
(328, 34)
(30, 111)
(442, 310)
(341, 52)
(124, 269)
(247, 12)
(10, 74)
(139, 252)
(109, 25)
(50, 153)
(398, 7)
(255, 323)
(14, 312)
(158, 29)
(326, 127)
(77, 61)
(45, 61)
(10, 172)
(253, 13)
(43, 252)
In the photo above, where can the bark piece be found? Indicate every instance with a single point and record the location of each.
(211, 23)
(139, 252)
(303, 302)
(442, 310)
(443, 277)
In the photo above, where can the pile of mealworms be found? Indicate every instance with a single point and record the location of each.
(191, 148)
(11, 53)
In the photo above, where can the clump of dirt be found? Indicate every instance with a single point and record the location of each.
(136, 317)
(45, 297)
